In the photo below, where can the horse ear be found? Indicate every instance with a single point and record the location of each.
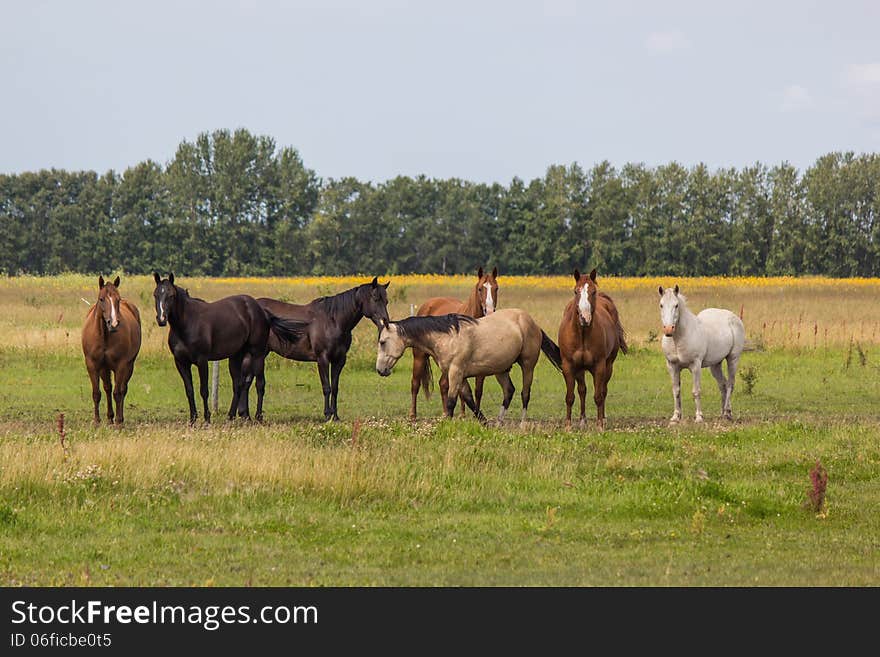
(156, 277)
(386, 285)
(100, 282)
(171, 277)
(660, 289)
(384, 322)
(494, 272)
(116, 282)
(375, 281)
(676, 289)
(593, 275)
(577, 275)
(480, 273)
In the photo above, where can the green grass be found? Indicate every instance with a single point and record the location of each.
(376, 500)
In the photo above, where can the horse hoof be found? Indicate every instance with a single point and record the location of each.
(674, 421)
(698, 419)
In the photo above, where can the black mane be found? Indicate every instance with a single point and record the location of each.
(344, 304)
(417, 327)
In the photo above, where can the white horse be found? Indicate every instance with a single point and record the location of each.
(697, 341)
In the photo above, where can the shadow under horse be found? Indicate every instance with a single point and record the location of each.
(235, 327)
(324, 329)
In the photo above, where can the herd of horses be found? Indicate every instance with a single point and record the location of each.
(470, 339)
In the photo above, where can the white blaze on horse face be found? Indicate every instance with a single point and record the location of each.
(490, 302)
(114, 318)
(585, 308)
(669, 312)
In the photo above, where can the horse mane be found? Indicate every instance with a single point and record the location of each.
(186, 295)
(342, 304)
(418, 327)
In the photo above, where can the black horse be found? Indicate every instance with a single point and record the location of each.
(235, 327)
(324, 331)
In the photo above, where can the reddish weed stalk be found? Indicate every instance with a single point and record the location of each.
(816, 494)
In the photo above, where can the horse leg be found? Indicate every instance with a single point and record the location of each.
(108, 390)
(185, 371)
(609, 372)
(722, 385)
(508, 388)
(732, 363)
(453, 383)
(444, 390)
(419, 365)
(568, 374)
(675, 373)
(247, 377)
(324, 373)
(121, 377)
(528, 373)
(235, 375)
(335, 372)
(465, 385)
(696, 371)
(478, 391)
(467, 401)
(94, 377)
(260, 382)
(582, 393)
(599, 392)
(203, 388)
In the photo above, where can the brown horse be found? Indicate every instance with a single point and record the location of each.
(111, 339)
(482, 301)
(590, 336)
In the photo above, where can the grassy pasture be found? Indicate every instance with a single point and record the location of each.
(376, 499)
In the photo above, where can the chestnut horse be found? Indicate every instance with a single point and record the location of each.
(111, 340)
(482, 301)
(590, 336)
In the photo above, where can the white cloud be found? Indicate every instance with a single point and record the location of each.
(662, 43)
(864, 75)
(795, 98)
(863, 84)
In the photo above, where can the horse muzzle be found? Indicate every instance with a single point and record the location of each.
(384, 372)
(668, 330)
(161, 321)
(112, 328)
(585, 321)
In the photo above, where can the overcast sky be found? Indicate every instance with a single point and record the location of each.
(478, 90)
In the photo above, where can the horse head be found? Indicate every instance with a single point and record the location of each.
(487, 290)
(391, 347)
(165, 295)
(585, 290)
(373, 298)
(108, 303)
(670, 309)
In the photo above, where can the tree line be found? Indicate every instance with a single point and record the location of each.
(234, 203)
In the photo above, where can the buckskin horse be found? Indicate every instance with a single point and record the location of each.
(323, 331)
(111, 340)
(590, 336)
(464, 346)
(482, 301)
(235, 327)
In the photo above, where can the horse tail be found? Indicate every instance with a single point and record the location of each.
(427, 377)
(621, 338)
(551, 351)
(286, 330)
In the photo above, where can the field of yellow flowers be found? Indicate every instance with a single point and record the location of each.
(786, 312)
